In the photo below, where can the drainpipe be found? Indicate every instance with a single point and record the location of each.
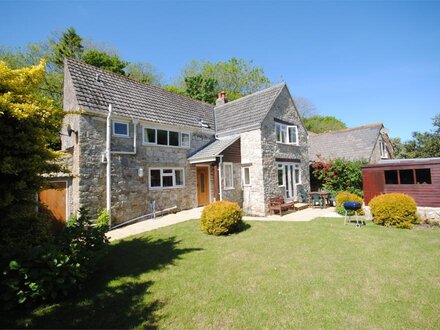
(220, 193)
(108, 156)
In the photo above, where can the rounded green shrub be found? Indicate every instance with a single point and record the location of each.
(395, 209)
(345, 196)
(221, 218)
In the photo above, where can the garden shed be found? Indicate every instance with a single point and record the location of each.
(419, 178)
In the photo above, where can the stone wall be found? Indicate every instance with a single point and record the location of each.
(251, 155)
(283, 109)
(131, 195)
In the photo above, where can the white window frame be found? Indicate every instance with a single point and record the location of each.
(181, 140)
(383, 149)
(244, 176)
(162, 174)
(144, 128)
(284, 129)
(114, 122)
(293, 167)
(231, 177)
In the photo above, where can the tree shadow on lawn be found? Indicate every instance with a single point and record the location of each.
(116, 295)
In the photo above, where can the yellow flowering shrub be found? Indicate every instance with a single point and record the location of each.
(395, 209)
(220, 218)
(345, 196)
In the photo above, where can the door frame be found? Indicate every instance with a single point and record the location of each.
(290, 174)
(209, 183)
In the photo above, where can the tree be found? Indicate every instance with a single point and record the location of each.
(322, 124)
(29, 123)
(143, 72)
(201, 88)
(104, 61)
(304, 106)
(424, 145)
(236, 77)
(397, 147)
(69, 45)
(175, 89)
(52, 85)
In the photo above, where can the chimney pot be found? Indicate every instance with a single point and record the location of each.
(221, 98)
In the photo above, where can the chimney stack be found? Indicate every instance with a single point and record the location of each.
(221, 98)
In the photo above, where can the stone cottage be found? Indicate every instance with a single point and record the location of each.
(133, 147)
(368, 142)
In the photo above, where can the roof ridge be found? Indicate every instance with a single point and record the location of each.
(249, 95)
(135, 81)
(349, 129)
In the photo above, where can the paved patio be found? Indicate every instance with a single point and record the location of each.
(306, 214)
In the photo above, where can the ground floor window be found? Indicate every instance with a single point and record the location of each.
(161, 178)
(246, 176)
(289, 175)
(408, 176)
(228, 176)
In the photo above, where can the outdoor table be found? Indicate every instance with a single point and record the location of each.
(322, 194)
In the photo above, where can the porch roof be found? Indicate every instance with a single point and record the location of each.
(213, 150)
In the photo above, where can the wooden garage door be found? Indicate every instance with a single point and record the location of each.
(55, 201)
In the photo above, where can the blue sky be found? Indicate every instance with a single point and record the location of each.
(360, 61)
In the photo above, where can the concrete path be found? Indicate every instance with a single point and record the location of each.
(150, 224)
(307, 214)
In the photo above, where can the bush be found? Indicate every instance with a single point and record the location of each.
(49, 270)
(221, 218)
(346, 196)
(395, 209)
(339, 175)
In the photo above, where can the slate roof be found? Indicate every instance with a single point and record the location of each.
(248, 111)
(131, 98)
(214, 149)
(352, 144)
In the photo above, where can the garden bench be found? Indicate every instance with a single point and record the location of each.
(277, 203)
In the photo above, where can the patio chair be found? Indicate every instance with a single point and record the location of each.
(331, 201)
(304, 197)
(317, 200)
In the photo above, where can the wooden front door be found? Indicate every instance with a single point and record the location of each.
(55, 201)
(202, 186)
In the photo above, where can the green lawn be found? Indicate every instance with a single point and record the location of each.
(318, 274)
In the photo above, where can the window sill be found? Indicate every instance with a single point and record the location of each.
(165, 188)
(229, 188)
(163, 146)
(288, 144)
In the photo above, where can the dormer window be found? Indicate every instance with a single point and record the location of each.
(286, 133)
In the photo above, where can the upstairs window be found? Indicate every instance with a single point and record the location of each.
(383, 149)
(164, 137)
(286, 133)
(120, 128)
